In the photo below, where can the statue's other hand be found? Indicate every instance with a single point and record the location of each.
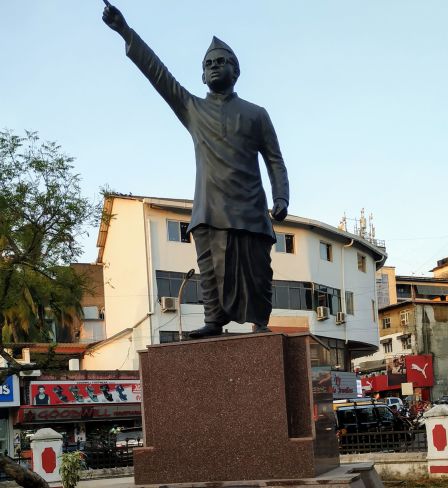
(280, 209)
(114, 19)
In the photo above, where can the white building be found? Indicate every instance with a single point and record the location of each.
(324, 282)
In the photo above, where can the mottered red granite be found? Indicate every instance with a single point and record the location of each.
(218, 410)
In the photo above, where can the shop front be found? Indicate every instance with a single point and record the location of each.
(414, 369)
(85, 411)
(9, 401)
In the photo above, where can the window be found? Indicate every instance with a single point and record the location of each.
(386, 323)
(292, 295)
(404, 318)
(177, 231)
(406, 342)
(168, 285)
(326, 296)
(404, 291)
(349, 303)
(361, 262)
(374, 310)
(285, 243)
(387, 346)
(326, 251)
(382, 288)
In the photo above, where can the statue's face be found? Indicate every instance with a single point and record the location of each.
(219, 71)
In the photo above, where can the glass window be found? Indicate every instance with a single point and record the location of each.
(280, 245)
(325, 251)
(177, 231)
(349, 303)
(404, 318)
(361, 262)
(285, 243)
(387, 346)
(406, 343)
(386, 323)
(173, 231)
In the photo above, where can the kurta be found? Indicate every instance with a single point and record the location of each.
(228, 134)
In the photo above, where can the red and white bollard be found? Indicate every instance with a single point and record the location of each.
(437, 435)
(47, 451)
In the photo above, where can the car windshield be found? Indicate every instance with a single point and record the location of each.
(366, 415)
(385, 414)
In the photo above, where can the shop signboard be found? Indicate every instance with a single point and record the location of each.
(70, 413)
(84, 392)
(9, 392)
(420, 370)
(344, 385)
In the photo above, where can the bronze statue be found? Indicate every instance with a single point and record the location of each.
(230, 220)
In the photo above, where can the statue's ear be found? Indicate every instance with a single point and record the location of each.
(203, 78)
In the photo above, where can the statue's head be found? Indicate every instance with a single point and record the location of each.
(220, 67)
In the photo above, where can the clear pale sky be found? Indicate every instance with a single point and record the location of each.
(357, 91)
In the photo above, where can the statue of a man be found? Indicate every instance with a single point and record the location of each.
(230, 220)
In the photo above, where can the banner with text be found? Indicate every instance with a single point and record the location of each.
(86, 391)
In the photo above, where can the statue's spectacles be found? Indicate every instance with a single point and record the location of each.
(221, 61)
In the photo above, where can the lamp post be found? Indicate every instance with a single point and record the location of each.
(179, 300)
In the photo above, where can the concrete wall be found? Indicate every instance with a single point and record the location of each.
(432, 337)
(118, 354)
(393, 465)
(125, 267)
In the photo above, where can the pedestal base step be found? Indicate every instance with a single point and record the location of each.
(353, 475)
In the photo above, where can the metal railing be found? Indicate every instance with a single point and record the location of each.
(388, 441)
(117, 456)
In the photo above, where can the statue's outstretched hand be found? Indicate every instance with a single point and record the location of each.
(115, 19)
(280, 209)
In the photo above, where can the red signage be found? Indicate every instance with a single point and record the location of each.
(377, 383)
(419, 370)
(84, 392)
(64, 413)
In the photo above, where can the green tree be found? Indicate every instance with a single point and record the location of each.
(42, 216)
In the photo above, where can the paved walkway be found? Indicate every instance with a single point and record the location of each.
(127, 482)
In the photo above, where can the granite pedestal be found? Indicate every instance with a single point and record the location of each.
(250, 407)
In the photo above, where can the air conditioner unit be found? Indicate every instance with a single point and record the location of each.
(340, 318)
(323, 313)
(30, 372)
(168, 304)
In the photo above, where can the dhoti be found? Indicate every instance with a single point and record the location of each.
(236, 275)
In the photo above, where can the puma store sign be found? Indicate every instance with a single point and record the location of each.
(419, 370)
(84, 392)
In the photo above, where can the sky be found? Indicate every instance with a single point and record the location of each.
(357, 91)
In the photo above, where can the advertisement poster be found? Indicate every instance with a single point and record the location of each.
(420, 370)
(83, 392)
(344, 385)
(9, 392)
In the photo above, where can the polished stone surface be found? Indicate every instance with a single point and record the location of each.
(230, 408)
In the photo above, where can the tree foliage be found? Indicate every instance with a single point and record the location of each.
(42, 216)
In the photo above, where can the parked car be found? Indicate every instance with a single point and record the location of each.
(394, 401)
(365, 426)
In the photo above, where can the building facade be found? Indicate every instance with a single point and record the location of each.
(413, 319)
(324, 282)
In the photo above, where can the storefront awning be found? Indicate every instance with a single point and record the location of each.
(28, 414)
(371, 366)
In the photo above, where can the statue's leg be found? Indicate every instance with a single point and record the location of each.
(215, 317)
(247, 290)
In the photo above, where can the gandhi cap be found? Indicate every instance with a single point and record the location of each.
(218, 44)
